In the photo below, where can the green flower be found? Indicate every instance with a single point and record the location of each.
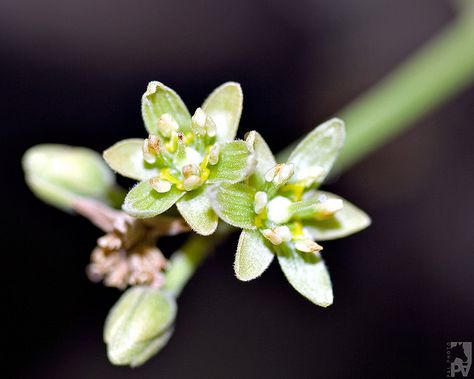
(283, 214)
(183, 154)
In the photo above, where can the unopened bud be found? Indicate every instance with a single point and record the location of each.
(160, 185)
(278, 210)
(139, 325)
(167, 124)
(280, 173)
(260, 202)
(214, 154)
(59, 174)
(308, 246)
(327, 208)
(192, 182)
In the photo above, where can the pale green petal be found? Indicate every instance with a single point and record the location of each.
(224, 106)
(196, 209)
(308, 274)
(317, 152)
(126, 158)
(253, 255)
(264, 156)
(160, 99)
(143, 201)
(347, 221)
(234, 204)
(236, 162)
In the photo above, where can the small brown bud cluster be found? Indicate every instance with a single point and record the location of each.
(127, 254)
(142, 265)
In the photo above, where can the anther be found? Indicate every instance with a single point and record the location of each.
(160, 185)
(307, 246)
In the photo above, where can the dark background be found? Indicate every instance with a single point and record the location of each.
(73, 72)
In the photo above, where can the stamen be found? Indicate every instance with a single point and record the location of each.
(260, 202)
(214, 154)
(277, 235)
(307, 246)
(280, 173)
(167, 124)
(199, 122)
(328, 208)
(160, 185)
(270, 235)
(192, 182)
(190, 169)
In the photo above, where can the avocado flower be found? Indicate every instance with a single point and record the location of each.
(183, 155)
(282, 212)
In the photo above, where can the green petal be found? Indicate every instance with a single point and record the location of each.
(143, 201)
(235, 163)
(308, 275)
(224, 105)
(234, 204)
(196, 209)
(159, 99)
(347, 221)
(264, 156)
(318, 150)
(253, 255)
(126, 157)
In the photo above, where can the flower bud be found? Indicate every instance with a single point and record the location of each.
(59, 174)
(139, 325)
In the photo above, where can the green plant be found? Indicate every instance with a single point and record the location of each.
(194, 164)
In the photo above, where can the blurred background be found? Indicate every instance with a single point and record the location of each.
(73, 73)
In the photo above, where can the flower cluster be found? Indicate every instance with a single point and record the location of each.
(282, 213)
(183, 155)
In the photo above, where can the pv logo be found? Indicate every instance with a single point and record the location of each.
(458, 359)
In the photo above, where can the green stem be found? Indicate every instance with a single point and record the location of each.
(434, 74)
(184, 262)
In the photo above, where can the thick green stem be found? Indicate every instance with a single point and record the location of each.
(430, 77)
